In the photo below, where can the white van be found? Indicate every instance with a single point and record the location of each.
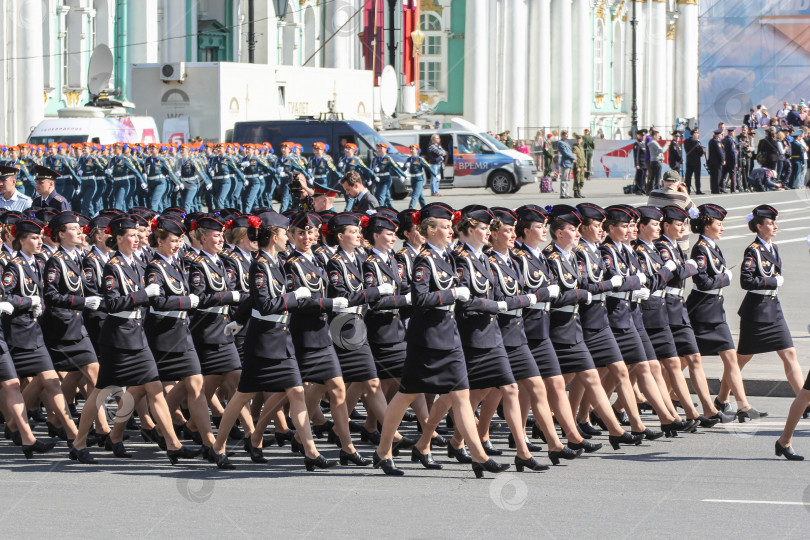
(474, 158)
(91, 124)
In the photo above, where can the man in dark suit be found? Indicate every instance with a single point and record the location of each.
(641, 167)
(46, 185)
(353, 186)
(675, 157)
(729, 169)
(694, 156)
(716, 160)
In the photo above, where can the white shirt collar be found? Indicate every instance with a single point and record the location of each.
(670, 240)
(128, 260)
(767, 245)
(708, 240)
(244, 253)
(592, 247)
(103, 256)
(504, 257)
(535, 252)
(415, 250)
(214, 258)
(383, 256)
(170, 261)
(437, 250)
(476, 252)
(307, 256)
(566, 254)
(29, 260)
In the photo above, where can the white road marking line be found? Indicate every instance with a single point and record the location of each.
(778, 222)
(740, 501)
(794, 201)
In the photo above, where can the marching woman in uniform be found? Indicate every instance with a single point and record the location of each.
(62, 324)
(539, 280)
(208, 279)
(317, 361)
(125, 356)
(763, 327)
(797, 410)
(705, 303)
(565, 329)
(93, 270)
(434, 361)
(237, 264)
(270, 365)
(22, 286)
(673, 226)
(168, 333)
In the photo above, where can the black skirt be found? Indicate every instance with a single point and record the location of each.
(807, 382)
(487, 368)
(126, 367)
(29, 362)
(7, 371)
(71, 355)
(756, 338)
(318, 365)
(684, 338)
(546, 357)
(522, 362)
(268, 375)
(630, 345)
(433, 371)
(713, 338)
(649, 350)
(574, 358)
(603, 348)
(357, 365)
(218, 359)
(389, 359)
(173, 366)
(662, 342)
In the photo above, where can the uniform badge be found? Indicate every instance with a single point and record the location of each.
(368, 279)
(258, 281)
(701, 261)
(8, 277)
(109, 282)
(766, 264)
(290, 282)
(230, 274)
(606, 260)
(151, 278)
(581, 265)
(537, 273)
(748, 262)
(665, 255)
(567, 276)
(88, 275)
(196, 279)
(334, 277)
(417, 276)
(51, 275)
(401, 268)
(459, 273)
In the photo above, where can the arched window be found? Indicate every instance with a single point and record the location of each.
(599, 58)
(431, 63)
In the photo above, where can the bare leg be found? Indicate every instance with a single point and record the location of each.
(393, 417)
(795, 413)
(723, 394)
(700, 384)
(596, 395)
(14, 410)
(651, 392)
(673, 369)
(558, 401)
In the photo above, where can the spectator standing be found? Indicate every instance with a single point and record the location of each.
(656, 161)
(716, 160)
(694, 155)
(794, 118)
(730, 150)
(638, 160)
(590, 145)
(579, 166)
(436, 157)
(798, 160)
(566, 163)
(675, 154)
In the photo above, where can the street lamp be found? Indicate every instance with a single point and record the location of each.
(281, 8)
(418, 38)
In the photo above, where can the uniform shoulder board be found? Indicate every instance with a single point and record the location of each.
(59, 255)
(578, 248)
(402, 251)
(114, 261)
(425, 253)
(336, 256)
(372, 257)
(294, 259)
(493, 259)
(462, 253)
(701, 242)
(17, 260)
(548, 249)
(519, 253)
(553, 255)
(754, 245)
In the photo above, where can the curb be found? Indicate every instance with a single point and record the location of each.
(754, 387)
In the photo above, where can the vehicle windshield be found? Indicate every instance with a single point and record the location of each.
(374, 138)
(493, 142)
(46, 139)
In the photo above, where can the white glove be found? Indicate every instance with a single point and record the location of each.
(36, 301)
(176, 188)
(589, 300)
(616, 281)
(780, 280)
(195, 300)
(553, 290)
(408, 299)
(236, 296)
(671, 266)
(642, 278)
(692, 263)
(462, 294)
(107, 171)
(386, 289)
(78, 190)
(210, 172)
(340, 303)
(144, 186)
(232, 328)
(152, 290)
(247, 183)
(730, 274)
(532, 299)
(208, 187)
(502, 307)
(80, 172)
(640, 294)
(245, 164)
(37, 311)
(6, 308)
(302, 292)
(92, 302)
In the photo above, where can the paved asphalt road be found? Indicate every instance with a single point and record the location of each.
(721, 483)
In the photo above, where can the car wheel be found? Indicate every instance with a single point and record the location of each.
(501, 182)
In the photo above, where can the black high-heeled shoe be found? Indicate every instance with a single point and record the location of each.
(39, 447)
(355, 415)
(690, 425)
(221, 460)
(296, 447)
(355, 458)
(621, 417)
(531, 464)
(530, 445)
(724, 417)
(586, 446)
(117, 448)
(582, 433)
(439, 441)
(587, 428)
(387, 465)
(788, 452)
(37, 415)
(409, 417)
(190, 435)
(671, 429)
(566, 453)
(184, 452)
(626, 438)
(645, 406)
(152, 435)
(73, 412)
(426, 460)
(355, 427)
(649, 434)
(210, 456)
(594, 419)
(404, 443)
(490, 465)
(320, 462)
(723, 407)
(462, 455)
(321, 429)
(333, 438)
(236, 434)
(369, 436)
(537, 433)
(15, 436)
(82, 456)
(283, 437)
(256, 455)
(705, 422)
(491, 450)
(750, 414)
(53, 431)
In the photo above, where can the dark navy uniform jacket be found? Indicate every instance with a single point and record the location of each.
(21, 281)
(654, 310)
(208, 279)
(384, 322)
(346, 281)
(565, 327)
(615, 262)
(124, 293)
(759, 270)
(309, 325)
(594, 316)
(477, 318)
(167, 322)
(269, 295)
(508, 287)
(678, 315)
(64, 294)
(433, 321)
(537, 277)
(705, 308)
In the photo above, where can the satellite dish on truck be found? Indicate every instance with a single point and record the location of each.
(100, 70)
(389, 90)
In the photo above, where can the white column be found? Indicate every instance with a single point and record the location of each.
(539, 45)
(28, 71)
(583, 66)
(517, 26)
(142, 31)
(671, 113)
(561, 70)
(476, 63)
(686, 60)
(339, 51)
(657, 63)
(493, 44)
(174, 31)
